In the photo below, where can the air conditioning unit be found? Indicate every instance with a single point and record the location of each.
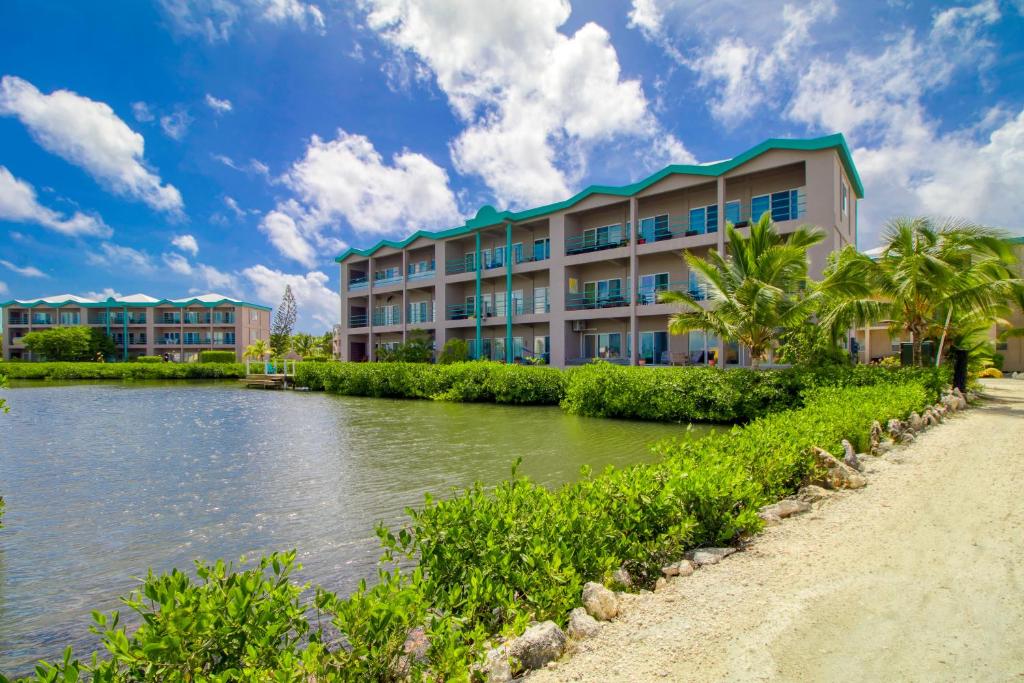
(578, 325)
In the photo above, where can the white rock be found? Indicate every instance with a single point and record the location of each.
(811, 493)
(837, 475)
(661, 584)
(685, 568)
(582, 625)
(620, 577)
(539, 644)
(600, 602)
(497, 667)
(787, 508)
(703, 556)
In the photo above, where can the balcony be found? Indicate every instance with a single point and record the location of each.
(610, 237)
(382, 318)
(422, 275)
(466, 264)
(612, 298)
(647, 296)
(42, 319)
(18, 320)
(381, 279)
(420, 314)
(461, 311)
(357, 320)
(358, 283)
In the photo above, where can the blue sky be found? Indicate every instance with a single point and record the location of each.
(235, 146)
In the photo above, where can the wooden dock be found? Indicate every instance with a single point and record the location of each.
(269, 374)
(265, 381)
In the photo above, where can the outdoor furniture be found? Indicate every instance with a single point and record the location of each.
(678, 358)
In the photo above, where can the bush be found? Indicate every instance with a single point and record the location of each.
(143, 370)
(70, 344)
(454, 351)
(489, 560)
(149, 359)
(217, 357)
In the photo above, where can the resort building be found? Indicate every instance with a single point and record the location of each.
(579, 279)
(141, 325)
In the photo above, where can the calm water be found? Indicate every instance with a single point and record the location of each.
(103, 481)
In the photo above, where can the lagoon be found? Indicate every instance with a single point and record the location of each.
(105, 480)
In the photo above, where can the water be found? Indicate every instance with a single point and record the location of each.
(104, 481)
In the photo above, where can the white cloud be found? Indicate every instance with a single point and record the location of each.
(178, 263)
(186, 243)
(254, 165)
(103, 294)
(24, 271)
(175, 125)
(284, 234)
(218, 105)
(314, 299)
(3, 287)
(141, 112)
(90, 135)
(117, 256)
(216, 20)
(233, 205)
(347, 177)
(18, 203)
(535, 100)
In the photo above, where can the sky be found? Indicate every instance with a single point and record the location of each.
(177, 147)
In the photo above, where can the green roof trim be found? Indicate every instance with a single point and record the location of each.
(489, 216)
(114, 303)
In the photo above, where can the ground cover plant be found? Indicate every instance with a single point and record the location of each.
(139, 370)
(484, 562)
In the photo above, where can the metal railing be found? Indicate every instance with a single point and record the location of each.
(18, 320)
(422, 275)
(357, 320)
(582, 244)
(386, 280)
(466, 264)
(649, 295)
(382, 318)
(416, 316)
(354, 285)
(592, 300)
(460, 311)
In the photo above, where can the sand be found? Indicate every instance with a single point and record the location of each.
(918, 577)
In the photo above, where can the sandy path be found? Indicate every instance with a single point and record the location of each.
(920, 576)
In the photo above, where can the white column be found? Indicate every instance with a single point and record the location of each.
(634, 325)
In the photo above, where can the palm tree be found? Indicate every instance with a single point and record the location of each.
(754, 292)
(927, 277)
(258, 349)
(303, 344)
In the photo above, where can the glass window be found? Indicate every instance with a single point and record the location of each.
(843, 198)
(758, 205)
(732, 212)
(541, 304)
(69, 318)
(783, 206)
(654, 347)
(650, 285)
(517, 302)
(517, 252)
(698, 221)
(542, 348)
(542, 249)
(654, 228)
(499, 303)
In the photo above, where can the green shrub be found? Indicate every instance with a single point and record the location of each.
(454, 351)
(149, 359)
(217, 357)
(143, 370)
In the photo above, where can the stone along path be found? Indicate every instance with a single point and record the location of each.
(919, 576)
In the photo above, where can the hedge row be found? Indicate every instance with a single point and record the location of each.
(489, 560)
(143, 370)
(692, 394)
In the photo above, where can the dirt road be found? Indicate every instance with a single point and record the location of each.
(918, 577)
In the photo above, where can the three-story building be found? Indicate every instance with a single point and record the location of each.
(579, 279)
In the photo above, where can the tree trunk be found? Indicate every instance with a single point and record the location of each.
(915, 340)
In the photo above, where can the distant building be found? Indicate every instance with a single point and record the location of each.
(141, 325)
(579, 279)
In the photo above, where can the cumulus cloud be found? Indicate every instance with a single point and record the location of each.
(216, 20)
(534, 100)
(24, 271)
(90, 135)
(284, 234)
(175, 125)
(117, 256)
(3, 287)
(186, 243)
(103, 294)
(178, 263)
(218, 105)
(210, 277)
(141, 112)
(313, 297)
(18, 203)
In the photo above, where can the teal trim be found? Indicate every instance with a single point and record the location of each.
(488, 216)
(476, 302)
(509, 308)
(124, 331)
(131, 304)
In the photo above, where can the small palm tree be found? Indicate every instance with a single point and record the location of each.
(928, 277)
(303, 344)
(258, 349)
(754, 292)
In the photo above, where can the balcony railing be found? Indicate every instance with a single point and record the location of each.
(649, 295)
(583, 244)
(361, 283)
(381, 280)
(18, 320)
(423, 275)
(593, 300)
(460, 311)
(387, 318)
(357, 320)
(466, 264)
(415, 316)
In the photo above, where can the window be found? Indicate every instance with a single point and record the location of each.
(254, 317)
(499, 303)
(654, 228)
(388, 275)
(783, 206)
(41, 319)
(604, 345)
(703, 219)
(541, 303)
(703, 348)
(171, 338)
(542, 249)
(69, 317)
(517, 252)
(732, 211)
(608, 235)
(650, 285)
(421, 311)
(517, 302)
(387, 315)
(654, 347)
(843, 198)
(470, 262)
(542, 348)
(603, 293)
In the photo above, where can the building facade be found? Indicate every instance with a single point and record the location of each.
(141, 325)
(579, 279)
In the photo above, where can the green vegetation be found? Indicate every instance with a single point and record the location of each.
(755, 292)
(149, 359)
(70, 344)
(454, 351)
(417, 348)
(143, 370)
(488, 561)
(3, 409)
(688, 394)
(283, 324)
(217, 357)
(258, 350)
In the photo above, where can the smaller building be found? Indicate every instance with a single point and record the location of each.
(141, 325)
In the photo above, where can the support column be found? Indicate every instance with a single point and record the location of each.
(479, 309)
(509, 308)
(440, 302)
(721, 252)
(404, 313)
(371, 348)
(556, 289)
(124, 331)
(634, 290)
(867, 344)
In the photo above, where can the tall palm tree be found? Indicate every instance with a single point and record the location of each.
(303, 344)
(258, 349)
(754, 292)
(927, 276)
